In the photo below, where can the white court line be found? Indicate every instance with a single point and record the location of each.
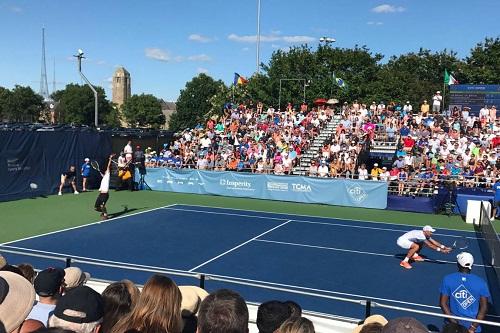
(238, 246)
(310, 222)
(319, 217)
(65, 255)
(85, 225)
(355, 251)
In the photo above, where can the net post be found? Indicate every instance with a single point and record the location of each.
(202, 281)
(68, 262)
(368, 308)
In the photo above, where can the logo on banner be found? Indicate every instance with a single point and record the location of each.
(275, 186)
(463, 297)
(13, 165)
(301, 188)
(357, 193)
(236, 185)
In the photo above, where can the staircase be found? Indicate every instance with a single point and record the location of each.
(314, 150)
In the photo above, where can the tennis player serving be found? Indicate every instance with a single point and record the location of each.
(414, 240)
(102, 198)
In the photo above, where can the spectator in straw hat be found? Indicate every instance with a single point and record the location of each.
(75, 277)
(80, 310)
(17, 296)
(192, 297)
(49, 286)
(374, 323)
(464, 294)
(3, 261)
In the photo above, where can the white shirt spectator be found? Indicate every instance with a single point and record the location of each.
(363, 173)
(323, 170)
(335, 148)
(436, 100)
(205, 142)
(408, 108)
(384, 176)
(484, 112)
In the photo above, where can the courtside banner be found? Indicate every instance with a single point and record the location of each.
(341, 192)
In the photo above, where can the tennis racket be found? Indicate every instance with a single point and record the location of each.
(460, 243)
(95, 166)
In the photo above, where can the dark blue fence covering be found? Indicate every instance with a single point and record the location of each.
(40, 158)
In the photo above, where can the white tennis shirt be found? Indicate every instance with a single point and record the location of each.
(415, 236)
(104, 188)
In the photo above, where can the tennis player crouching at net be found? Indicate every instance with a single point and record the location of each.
(102, 198)
(414, 240)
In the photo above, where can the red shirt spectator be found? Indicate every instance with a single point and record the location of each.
(408, 142)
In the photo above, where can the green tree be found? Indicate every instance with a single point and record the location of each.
(194, 103)
(143, 110)
(22, 104)
(75, 104)
(4, 97)
(483, 64)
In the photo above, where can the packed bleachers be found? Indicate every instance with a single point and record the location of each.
(424, 148)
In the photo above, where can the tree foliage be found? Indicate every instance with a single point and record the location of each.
(143, 111)
(20, 104)
(194, 102)
(483, 64)
(75, 104)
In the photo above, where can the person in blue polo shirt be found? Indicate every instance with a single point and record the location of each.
(464, 294)
(85, 171)
(496, 204)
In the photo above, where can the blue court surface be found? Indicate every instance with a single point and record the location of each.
(350, 259)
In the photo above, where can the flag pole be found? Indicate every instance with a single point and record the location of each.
(444, 89)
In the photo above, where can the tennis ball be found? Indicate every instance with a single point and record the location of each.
(33, 186)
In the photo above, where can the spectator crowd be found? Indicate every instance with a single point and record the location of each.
(430, 145)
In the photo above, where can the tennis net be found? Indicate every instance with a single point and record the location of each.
(492, 240)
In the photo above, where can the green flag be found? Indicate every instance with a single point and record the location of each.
(449, 79)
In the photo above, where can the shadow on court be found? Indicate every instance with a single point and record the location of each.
(124, 211)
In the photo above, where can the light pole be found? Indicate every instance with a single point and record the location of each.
(258, 36)
(80, 56)
(305, 82)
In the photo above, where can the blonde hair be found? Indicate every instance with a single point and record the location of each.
(158, 309)
(297, 325)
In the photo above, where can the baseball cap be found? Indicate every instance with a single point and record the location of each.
(48, 281)
(80, 305)
(404, 325)
(87, 159)
(17, 297)
(375, 164)
(75, 277)
(429, 228)
(465, 259)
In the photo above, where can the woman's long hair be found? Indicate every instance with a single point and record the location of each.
(158, 309)
(119, 300)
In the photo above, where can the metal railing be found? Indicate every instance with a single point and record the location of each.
(368, 303)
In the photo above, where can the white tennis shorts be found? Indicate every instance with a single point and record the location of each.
(404, 243)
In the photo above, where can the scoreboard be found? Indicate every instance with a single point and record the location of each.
(474, 96)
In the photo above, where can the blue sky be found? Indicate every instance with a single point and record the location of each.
(163, 44)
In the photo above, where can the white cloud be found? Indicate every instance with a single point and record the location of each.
(202, 70)
(108, 79)
(199, 57)
(157, 54)
(374, 23)
(199, 38)
(275, 46)
(385, 8)
(270, 38)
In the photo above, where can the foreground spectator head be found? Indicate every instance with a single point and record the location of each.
(158, 308)
(119, 299)
(17, 296)
(28, 272)
(192, 297)
(404, 325)
(49, 282)
(271, 315)
(297, 325)
(223, 311)
(372, 324)
(296, 310)
(75, 277)
(31, 325)
(52, 330)
(80, 309)
(3, 261)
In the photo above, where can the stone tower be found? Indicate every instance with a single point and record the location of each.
(121, 86)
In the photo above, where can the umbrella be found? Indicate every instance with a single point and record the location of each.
(320, 101)
(332, 101)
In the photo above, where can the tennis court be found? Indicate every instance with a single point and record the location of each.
(357, 260)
